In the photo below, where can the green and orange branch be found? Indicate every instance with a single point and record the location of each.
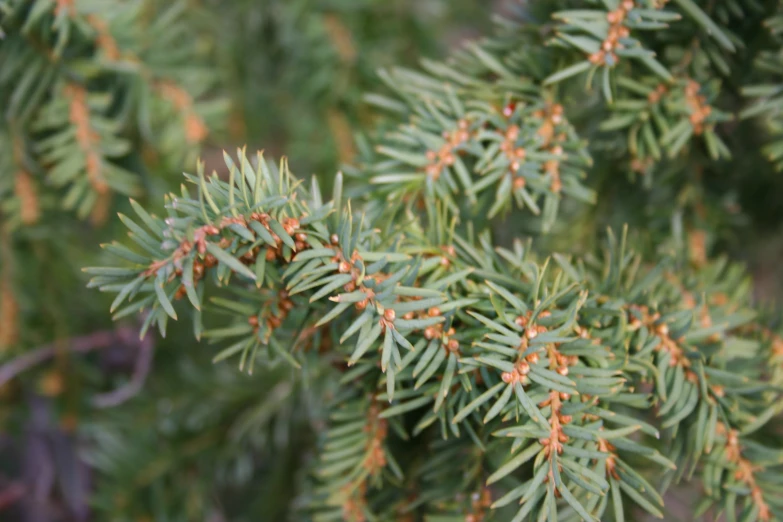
(195, 128)
(373, 463)
(87, 138)
(745, 471)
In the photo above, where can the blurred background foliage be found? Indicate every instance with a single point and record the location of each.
(296, 71)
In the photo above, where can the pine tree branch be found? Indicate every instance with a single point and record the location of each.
(551, 362)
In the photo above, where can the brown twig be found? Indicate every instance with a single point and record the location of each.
(83, 344)
(141, 369)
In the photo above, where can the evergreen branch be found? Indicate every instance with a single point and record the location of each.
(561, 376)
(79, 80)
(525, 344)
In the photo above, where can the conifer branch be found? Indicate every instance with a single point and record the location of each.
(575, 385)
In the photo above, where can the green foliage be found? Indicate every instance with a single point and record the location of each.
(768, 100)
(169, 470)
(153, 78)
(571, 387)
(449, 368)
(468, 342)
(86, 91)
(312, 60)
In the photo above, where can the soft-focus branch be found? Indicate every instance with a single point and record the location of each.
(83, 344)
(141, 369)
